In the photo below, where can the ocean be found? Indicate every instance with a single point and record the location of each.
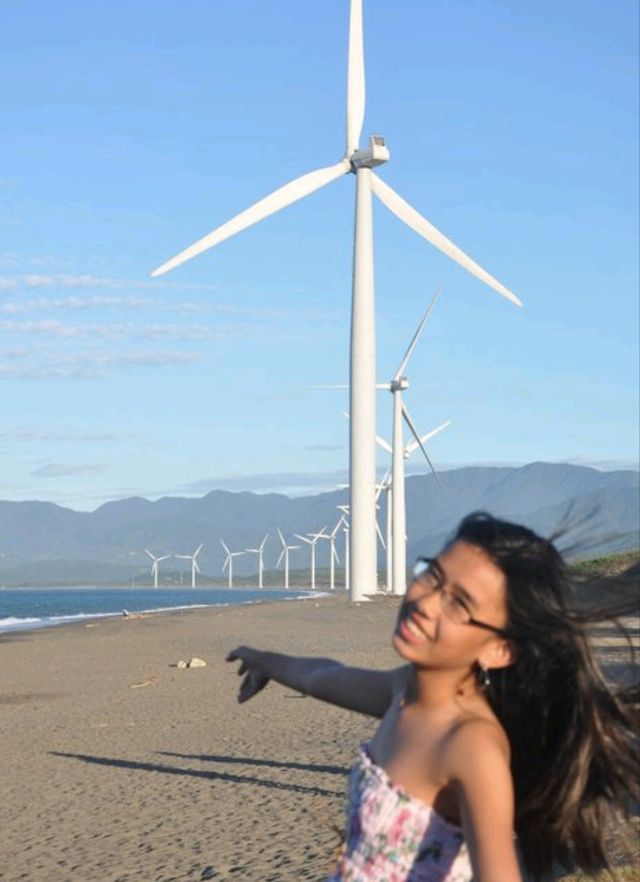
(27, 608)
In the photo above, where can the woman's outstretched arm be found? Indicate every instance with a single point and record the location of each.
(358, 689)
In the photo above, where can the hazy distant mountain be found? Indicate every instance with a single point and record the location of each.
(42, 543)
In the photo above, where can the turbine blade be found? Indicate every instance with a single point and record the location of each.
(149, 553)
(379, 532)
(286, 195)
(284, 544)
(398, 206)
(355, 78)
(280, 558)
(381, 485)
(195, 565)
(384, 444)
(198, 549)
(225, 565)
(225, 546)
(409, 422)
(416, 336)
(412, 445)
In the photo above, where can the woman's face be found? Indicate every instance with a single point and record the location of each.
(427, 632)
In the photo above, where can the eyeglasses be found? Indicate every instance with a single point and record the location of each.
(427, 572)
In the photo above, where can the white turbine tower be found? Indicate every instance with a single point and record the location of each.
(334, 558)
(154, 565)
(345, 529)
(312, 539)
(285, 554)
(194, 563)
(229, 561)
(259, 551)
(362, 367)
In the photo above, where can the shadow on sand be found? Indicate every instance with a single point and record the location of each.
(216, 776)
(250, 761)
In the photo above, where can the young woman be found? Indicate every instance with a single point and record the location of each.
(499, 734)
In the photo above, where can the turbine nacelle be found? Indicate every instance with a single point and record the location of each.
(375, 154)
(399, 385)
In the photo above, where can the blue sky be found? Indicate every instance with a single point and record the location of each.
(132, 129)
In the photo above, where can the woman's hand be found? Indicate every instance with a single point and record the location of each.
(250, 665)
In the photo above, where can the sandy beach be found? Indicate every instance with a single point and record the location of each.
(118, 766)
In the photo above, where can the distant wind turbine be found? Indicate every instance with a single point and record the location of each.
(194, 563)
(362, 372)
(312, 540)
(229, 561)
(154, 565)
(259, 550)
(333, 554)
(285, 554)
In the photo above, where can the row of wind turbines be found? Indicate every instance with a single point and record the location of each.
(362, 382)
(311, 539)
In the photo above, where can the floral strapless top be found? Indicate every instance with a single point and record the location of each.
(394, 837)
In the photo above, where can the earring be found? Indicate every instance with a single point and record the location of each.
(484, 678)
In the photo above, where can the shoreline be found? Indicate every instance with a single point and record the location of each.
(118, 766)
(28, 622)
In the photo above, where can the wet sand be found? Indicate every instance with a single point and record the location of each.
(117, 766)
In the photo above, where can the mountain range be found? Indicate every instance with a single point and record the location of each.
(45, 544)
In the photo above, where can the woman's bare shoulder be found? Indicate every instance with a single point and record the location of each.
(475, 741)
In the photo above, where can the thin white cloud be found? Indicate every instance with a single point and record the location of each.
(118, 330)
(61, 470)
(25, 434)
(72, 304)
(91, 365)
(73, 281)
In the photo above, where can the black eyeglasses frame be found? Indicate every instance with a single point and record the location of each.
(501, 632)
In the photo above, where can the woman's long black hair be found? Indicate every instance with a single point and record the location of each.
(574, 748)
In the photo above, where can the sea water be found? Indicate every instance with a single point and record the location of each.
(26, 608)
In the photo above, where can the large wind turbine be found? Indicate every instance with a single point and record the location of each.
(229, 561)
(285, 554)
(259, 551)
(362, 367)
(154, 565)
(194, 563)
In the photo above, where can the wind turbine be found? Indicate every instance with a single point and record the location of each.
(259, 551)
(229, 561)
(362, 359)
(285, 554)
(398, 384)
(334, 559)
(311, 540)
(194, 563)
(393, 483)
(154, 565)
(345, 529)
